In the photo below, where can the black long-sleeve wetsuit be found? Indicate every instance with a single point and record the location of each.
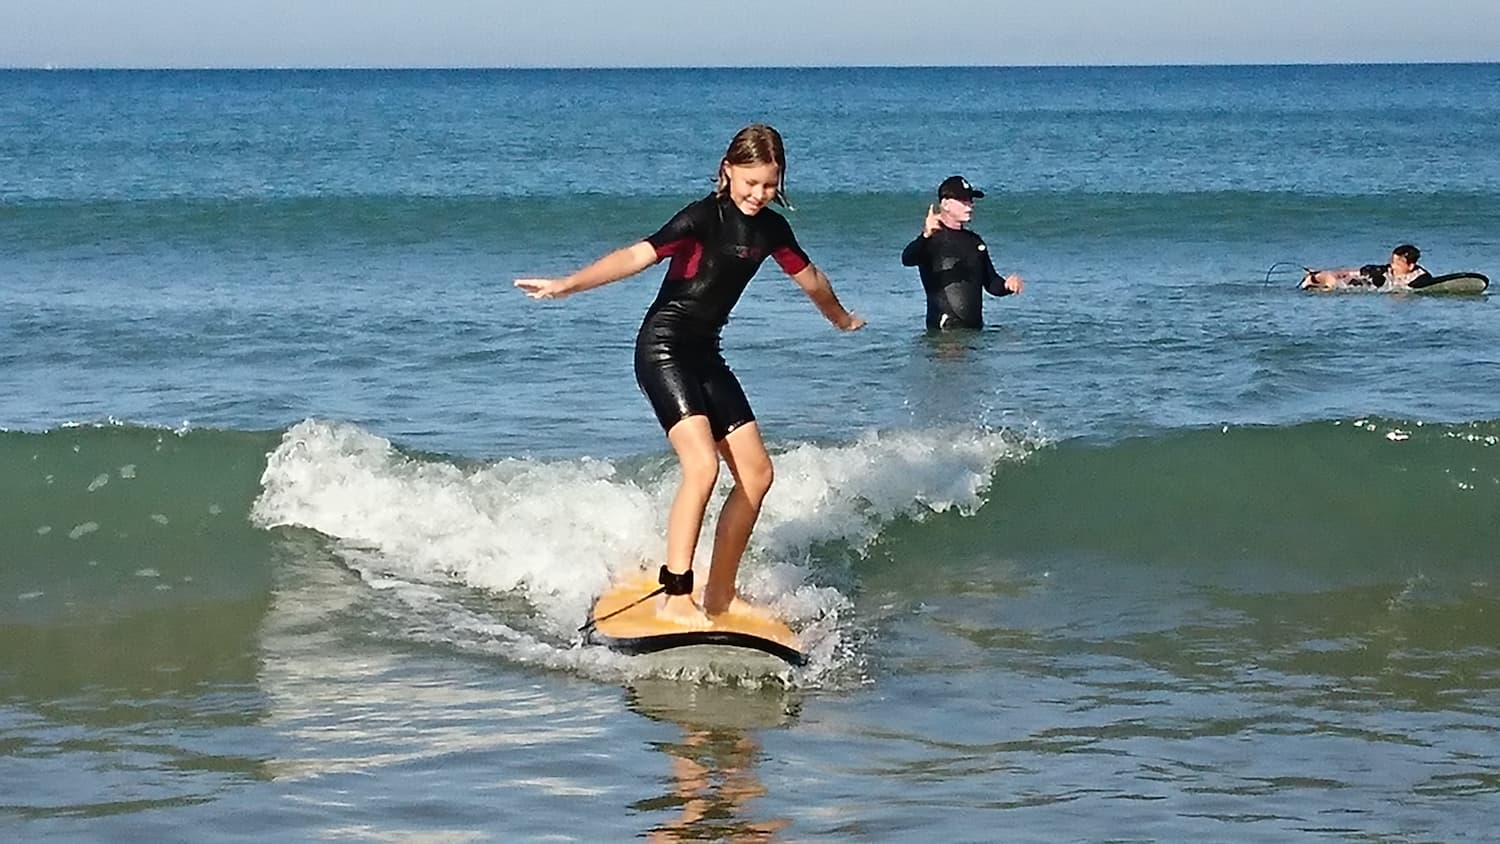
(955, 266)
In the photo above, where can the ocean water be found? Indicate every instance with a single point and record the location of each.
(301, 503)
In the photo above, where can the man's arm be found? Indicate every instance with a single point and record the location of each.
(915, 251)
(993, 282)
(912, 255)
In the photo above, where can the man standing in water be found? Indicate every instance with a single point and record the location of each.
(954, 262)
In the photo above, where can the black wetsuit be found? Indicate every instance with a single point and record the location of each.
(1378, 275)
(955, 266)
(715, 250)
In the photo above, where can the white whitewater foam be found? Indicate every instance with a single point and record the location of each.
(560, 531)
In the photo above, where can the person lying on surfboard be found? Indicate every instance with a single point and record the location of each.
(1402, 271)
(716, 244)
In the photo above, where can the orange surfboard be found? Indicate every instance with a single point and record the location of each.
(616, 624)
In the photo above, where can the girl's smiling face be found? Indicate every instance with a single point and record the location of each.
(752, 186)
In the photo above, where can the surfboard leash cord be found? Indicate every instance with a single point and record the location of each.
(1273, 267)
(672, 583)
(646, 597)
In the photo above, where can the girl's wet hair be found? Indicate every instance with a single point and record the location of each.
(752, 146)
(1409, 252)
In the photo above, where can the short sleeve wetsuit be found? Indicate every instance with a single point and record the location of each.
(715, 250)
(955, 266)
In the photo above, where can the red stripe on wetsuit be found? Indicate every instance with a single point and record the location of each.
(789, 260)
(686, 254)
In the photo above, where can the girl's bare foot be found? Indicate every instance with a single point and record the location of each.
(682, 610)
(741, 606)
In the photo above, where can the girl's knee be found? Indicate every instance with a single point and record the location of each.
(756, 480)
(700, 471)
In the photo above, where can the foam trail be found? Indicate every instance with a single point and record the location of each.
(848, 493)
(545, 528)
(559, 532)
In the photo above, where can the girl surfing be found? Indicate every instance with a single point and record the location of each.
(716, 245)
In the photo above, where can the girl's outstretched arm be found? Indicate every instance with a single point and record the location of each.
(621, 263)
(817, 287)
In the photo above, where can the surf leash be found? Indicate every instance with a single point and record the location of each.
(593, 622)
(1273, 267)
(672, 583)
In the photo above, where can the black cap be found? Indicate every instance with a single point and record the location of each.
(957, 187)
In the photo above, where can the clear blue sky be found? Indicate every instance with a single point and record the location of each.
(608, 33)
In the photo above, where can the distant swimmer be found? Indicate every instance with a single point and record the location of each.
(716, 244)
(954, 263)
(1403, 272)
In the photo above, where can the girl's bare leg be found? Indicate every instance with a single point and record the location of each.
(746, 455)
(693, 441)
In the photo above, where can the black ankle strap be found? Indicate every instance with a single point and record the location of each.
(676, 584)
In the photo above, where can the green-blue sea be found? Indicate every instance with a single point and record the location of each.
(302, 502)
